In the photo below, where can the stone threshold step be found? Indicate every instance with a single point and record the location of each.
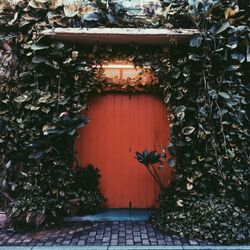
(114, 215)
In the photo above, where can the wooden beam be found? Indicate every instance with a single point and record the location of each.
(93, 36)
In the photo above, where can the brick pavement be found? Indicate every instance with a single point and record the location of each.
(115, 233)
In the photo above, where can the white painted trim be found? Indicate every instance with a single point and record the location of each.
(120, 31)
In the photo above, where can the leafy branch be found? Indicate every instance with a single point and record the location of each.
(149, 160)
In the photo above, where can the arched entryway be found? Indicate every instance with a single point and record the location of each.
(121, 124)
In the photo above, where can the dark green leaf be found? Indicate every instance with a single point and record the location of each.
(223, 27)
(195, 41)
(224, 95)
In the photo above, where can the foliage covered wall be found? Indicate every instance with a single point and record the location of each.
(206, 85)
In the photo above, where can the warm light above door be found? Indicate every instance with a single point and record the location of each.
(125, 73)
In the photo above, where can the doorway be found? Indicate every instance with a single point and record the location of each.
(121, 124)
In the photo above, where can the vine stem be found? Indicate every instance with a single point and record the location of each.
(153, 176)
(222, 130)
(77, 160)
(6, 196)
(59, 87)
(157, 176)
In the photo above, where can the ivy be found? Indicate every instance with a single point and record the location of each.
(205, 85)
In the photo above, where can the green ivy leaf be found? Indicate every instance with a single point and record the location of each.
(172, 162)
(8, 164)
(37, 46)
(238, 56)
(188, 130)
(223, 27)
(232, 67)
(21, 99)
(196, 41)
(224, 95)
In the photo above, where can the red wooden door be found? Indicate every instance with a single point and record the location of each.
(120, 125)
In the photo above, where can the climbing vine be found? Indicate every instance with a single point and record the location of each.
(205, 84)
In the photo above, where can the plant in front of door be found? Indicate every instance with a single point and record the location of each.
(87, 197)
(152, 158)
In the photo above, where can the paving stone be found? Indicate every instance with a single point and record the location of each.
(136, 233)
(17, 242)
(114, 236)
(83, 237)
(175, 237)
(68, 237)
(41, 244)
(145, 242)
(152, 239)
(11, 240)
(137, 239)
(100, 231)
(129, 242)
(97, 242)
(154, 243)
(121, 240)
(99, 236)
(92, 233)
(89, 244)
(169, 242)
(129, 236)
(129, 231)
(107, 234)
(161, 242)
(106, 239)
(66, 242)
(202, 243)
(74, 241)
(48, 243)
(91, 239)
(22, 237)
(114, 242)
(149, 227)
(81, 242)
(159, 237)
(105, 244)
(122, 233)
(177, 242)
(27, 240)
(151, 234)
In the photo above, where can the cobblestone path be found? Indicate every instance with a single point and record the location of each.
(114, 233)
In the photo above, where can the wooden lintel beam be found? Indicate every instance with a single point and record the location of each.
(121, 35)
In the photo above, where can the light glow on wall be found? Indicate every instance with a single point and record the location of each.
(125, 73)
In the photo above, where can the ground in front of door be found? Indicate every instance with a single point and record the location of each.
(108, 233)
